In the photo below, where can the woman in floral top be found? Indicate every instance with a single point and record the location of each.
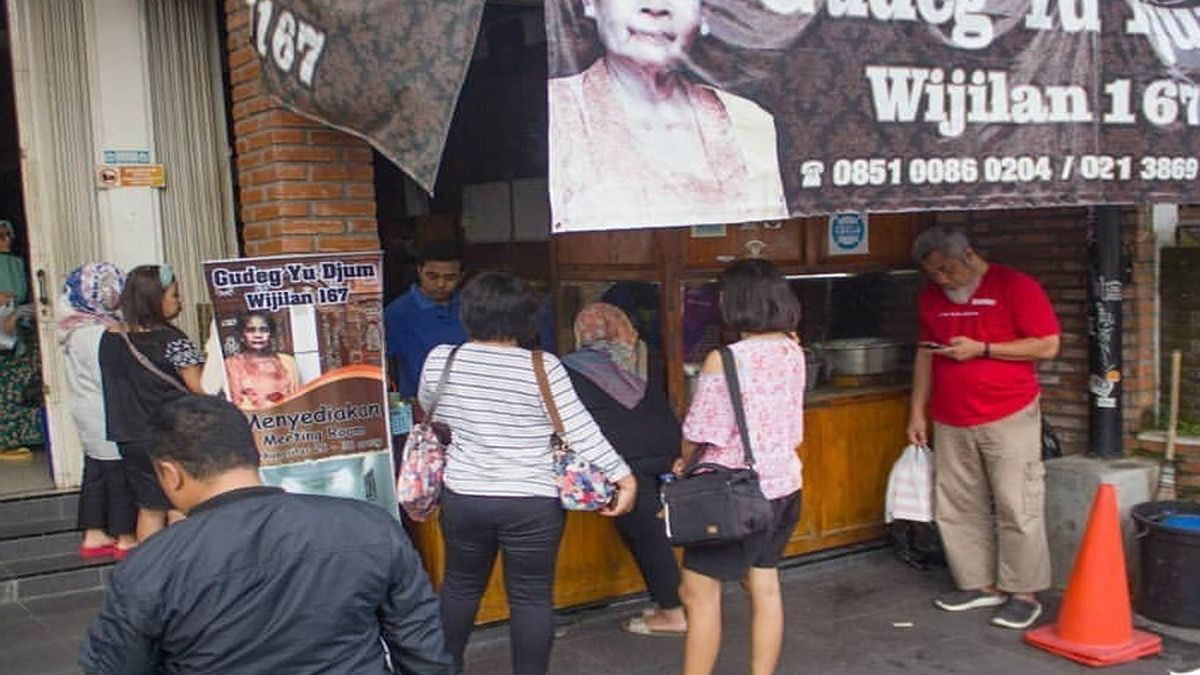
(757, 302)
(134, 392)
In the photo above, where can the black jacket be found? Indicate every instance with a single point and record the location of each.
(259, 581)
(650, 431)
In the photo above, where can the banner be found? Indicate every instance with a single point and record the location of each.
(302, 341)
(709, 111)
(388, 71)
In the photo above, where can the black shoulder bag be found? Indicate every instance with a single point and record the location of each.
(710, 504)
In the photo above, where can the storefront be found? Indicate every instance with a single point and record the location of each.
(119, 152)
(306, 188)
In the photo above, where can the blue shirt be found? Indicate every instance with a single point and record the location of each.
(415, 324)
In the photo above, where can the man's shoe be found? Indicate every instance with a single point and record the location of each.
(1017, 613)
(959, 601)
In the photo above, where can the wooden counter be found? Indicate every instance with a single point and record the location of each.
(852, 437)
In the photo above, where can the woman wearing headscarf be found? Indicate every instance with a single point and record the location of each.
(146, 363)
(107, 515)
(20, 404)
(624, 391)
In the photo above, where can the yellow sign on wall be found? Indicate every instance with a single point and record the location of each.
(131, 175)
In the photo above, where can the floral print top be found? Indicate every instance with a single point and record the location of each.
(771, 379)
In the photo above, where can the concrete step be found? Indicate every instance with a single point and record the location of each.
(39, 549)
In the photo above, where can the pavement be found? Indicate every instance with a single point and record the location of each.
(861, 614)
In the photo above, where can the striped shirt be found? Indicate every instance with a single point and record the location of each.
(501, 433)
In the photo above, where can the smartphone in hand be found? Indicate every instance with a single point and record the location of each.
(932, 345)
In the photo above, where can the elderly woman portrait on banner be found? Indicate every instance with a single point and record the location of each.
(258, 375)
(636, 139)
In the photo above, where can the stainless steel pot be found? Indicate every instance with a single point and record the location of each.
(864, 356)
(816, 369)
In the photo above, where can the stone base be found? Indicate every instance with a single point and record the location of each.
(1070, 488)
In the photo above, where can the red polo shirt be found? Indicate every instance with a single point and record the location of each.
(1008, 305)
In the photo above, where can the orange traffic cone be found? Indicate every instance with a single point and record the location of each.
(1095, 622)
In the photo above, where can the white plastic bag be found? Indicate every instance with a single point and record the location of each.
(910, 486)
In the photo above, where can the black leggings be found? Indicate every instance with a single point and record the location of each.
(643, 532)
(526, 531)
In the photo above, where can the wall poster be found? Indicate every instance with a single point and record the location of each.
(302, 340)
(687, 112)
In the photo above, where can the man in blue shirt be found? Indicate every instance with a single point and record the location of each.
(426, 316)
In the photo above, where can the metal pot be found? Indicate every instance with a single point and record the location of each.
(816, 369)
(864, 356)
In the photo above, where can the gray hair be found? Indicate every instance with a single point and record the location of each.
(949, 241)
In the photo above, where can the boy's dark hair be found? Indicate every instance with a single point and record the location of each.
(499, 306)
(141, 298)
(756, 298)
(206, 435)
(441, 251)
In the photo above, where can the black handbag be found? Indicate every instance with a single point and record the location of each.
(711, 505)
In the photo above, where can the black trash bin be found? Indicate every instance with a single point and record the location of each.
(1168, 588)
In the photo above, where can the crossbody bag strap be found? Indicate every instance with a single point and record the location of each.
(441, 388)
(735, 397)
(539, 370)
(149, 365)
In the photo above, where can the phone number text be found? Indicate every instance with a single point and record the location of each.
(876, 171)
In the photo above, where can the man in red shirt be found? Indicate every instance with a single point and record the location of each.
(982, 328)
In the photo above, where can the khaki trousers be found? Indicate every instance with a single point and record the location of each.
(995, 464)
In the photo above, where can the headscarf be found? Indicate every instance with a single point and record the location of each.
(91, 296)
(610, 353)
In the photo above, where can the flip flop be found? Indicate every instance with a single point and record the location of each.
(637, 625)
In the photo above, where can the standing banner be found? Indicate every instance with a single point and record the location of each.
(710, 111)
(388, 71)
(302, 340)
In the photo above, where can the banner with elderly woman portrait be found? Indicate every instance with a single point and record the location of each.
(302, 341)
(682, 112)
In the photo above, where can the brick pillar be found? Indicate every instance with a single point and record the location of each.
(303, 187)
(1140, 387)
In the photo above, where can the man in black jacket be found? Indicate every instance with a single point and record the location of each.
(256, 580)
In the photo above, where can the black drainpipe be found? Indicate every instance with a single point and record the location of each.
(1105, 273)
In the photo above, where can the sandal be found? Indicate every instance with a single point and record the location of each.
(102, 551)
(637, 625)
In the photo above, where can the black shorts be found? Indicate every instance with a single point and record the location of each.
(731, 561)
(147, 493)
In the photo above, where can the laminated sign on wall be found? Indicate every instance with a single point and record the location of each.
(849, 234)
(302, 339)
(730, 111)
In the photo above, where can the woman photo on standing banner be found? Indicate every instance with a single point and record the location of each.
(258, 375)
(636, 139)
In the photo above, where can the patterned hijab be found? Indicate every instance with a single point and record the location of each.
(91, 295)
(610, 353)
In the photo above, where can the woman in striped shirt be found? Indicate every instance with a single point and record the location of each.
(499, 481)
